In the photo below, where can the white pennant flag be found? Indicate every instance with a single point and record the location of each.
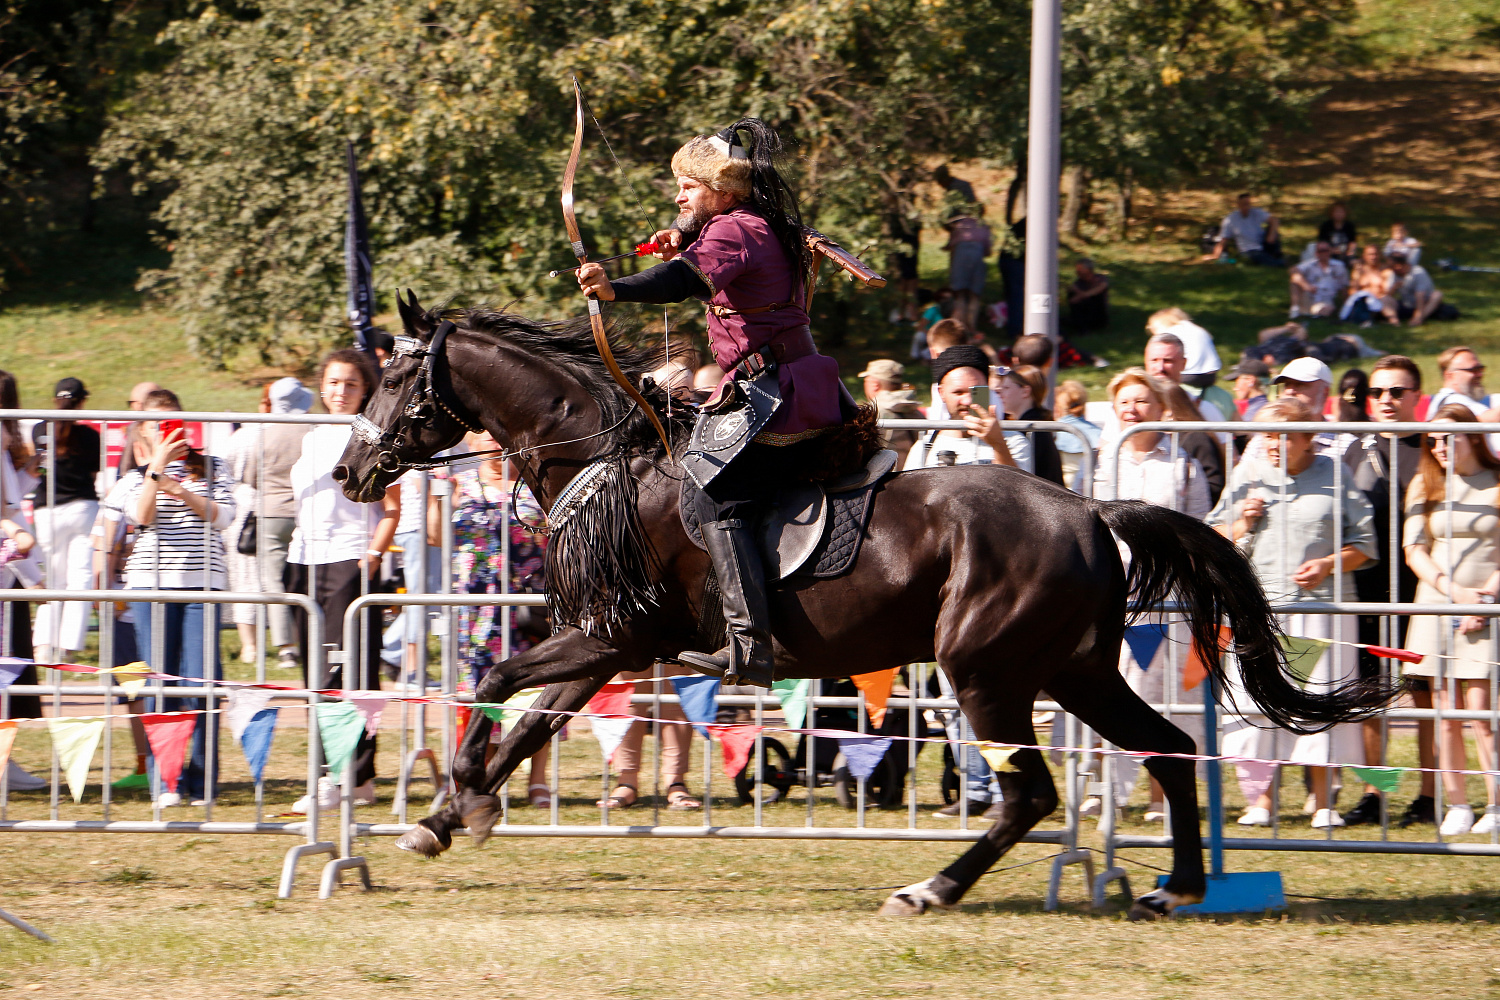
(244, 703)
(610, 733)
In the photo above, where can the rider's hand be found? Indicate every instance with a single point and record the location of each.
(595, 283)
(670, 241)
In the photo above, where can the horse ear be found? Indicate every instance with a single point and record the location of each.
(413, 318)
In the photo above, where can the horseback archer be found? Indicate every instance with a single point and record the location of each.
(738, 245)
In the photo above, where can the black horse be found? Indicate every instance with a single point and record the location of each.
(1013, 585)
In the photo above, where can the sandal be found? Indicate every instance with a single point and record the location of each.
(540, 796)
(617, 799)
(681, 801)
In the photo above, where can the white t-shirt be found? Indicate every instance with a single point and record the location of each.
(1247, 231)
(1327, 282)
(1198, 346)
(966, 450)
(330, 527)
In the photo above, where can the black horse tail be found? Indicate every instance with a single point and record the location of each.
(1215, 583)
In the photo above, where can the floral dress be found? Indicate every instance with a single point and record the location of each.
(478, 513)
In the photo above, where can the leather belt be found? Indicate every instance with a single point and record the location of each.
(722, 311)
(787, 346)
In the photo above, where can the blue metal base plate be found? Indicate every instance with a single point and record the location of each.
(1238, 892)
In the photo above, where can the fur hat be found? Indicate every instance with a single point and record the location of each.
(718, 161)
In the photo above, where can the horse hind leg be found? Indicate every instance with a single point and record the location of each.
(1030, 796)
(1103, 701)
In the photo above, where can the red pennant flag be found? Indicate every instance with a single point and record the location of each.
(168, 736)
(612, 699)
(877, 689)
(1194, 670)
(461, 713)
(1395, 654)
(738, 742)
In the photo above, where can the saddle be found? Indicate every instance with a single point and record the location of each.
(811, 529)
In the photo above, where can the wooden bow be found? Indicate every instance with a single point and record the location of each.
(596, 317)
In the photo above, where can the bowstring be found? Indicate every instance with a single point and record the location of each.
(666, 343)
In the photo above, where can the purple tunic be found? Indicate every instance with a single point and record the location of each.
(744, 267)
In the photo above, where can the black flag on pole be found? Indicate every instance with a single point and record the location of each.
(357, 268)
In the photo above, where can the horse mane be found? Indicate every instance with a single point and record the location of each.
(569, 344)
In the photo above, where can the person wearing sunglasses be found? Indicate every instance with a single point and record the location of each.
(1463, 380)
(1395, 390)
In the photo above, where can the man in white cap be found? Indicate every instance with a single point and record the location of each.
(1310, 381)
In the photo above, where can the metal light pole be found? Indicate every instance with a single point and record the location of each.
(1043, 167)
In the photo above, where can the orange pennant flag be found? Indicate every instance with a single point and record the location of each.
(1194, 670)
(877, 690)
(7, 740)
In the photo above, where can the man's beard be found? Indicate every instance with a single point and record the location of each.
(691, 223)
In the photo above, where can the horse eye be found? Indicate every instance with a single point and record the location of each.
(391, 385)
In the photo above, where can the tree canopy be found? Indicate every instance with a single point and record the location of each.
(232, 118)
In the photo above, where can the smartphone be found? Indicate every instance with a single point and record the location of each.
(166, 427)
(979, 398)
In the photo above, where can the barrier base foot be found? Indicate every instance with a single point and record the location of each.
(1101, 885)
(1237, 892)
(333, 874)
(289, 866)
(21, 925)
(1054, 883)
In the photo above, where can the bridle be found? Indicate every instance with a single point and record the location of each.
(425, 397)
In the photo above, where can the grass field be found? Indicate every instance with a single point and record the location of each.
(196, 915)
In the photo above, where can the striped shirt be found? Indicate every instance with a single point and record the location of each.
(169, 552)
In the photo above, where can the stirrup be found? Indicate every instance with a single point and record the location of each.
(721, 665)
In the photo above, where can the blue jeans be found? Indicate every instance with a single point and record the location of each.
(978, 777)
(414, 549)
(182, 656)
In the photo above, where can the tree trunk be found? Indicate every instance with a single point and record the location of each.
(1075, 190)
(1125, 191)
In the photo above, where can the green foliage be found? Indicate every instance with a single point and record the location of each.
(461, 113)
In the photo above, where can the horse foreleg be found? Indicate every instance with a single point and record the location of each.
(1030, 796)
(578, 665)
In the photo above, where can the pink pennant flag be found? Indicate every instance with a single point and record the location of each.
(7, 740)
(738, 743)
(370, 708)
(877, 689)
(612, 699)
(168, 735)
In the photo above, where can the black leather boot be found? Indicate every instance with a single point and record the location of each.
(747, 658)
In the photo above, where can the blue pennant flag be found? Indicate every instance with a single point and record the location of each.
(10, 669)
(863, 753)
(1144, 641)
(256, 741)
(700, 700)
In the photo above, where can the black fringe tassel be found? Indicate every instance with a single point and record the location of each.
(601, 567)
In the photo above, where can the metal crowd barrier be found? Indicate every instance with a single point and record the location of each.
(1344, 435)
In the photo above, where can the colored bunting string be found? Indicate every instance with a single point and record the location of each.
(876, 687)
(699, 700)
(75, 741)
(792, 694)
(7, 740)
(168, 736)
(862, 754)
(340, 725)
(736, 743)
(1144, 640)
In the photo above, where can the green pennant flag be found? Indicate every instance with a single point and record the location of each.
(1384, 778)
(792, 693)
(339, 725)
(75, 740)
(1302, 654)
(512, 711)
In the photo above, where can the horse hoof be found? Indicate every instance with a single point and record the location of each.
(421, 840)
(913, 901)
(482, 818)
(1159, 903)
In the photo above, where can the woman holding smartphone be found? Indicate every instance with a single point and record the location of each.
(179, 501)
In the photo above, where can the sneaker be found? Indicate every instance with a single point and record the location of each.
(364, 795)
(1310, 804)
(1459, 821)
(1100, 363)
(21, 780)
(1092, 806)
(198, 803)
(167, 800)
(1294, 313)
(137, 780)
(1488, 823)
(976, 808)
(328, 798)
(1421, 810)
(1256, 816)
(1365, 811)
(1155, 813)
(1325, 818)
(287, 659)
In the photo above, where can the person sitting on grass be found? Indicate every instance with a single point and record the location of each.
(1417, 298)
(1255, 232)
(1403, 243)
(1369, 291)
(1088, 299)
(1316, 285)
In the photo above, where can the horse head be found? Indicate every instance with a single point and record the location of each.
(412, 414)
